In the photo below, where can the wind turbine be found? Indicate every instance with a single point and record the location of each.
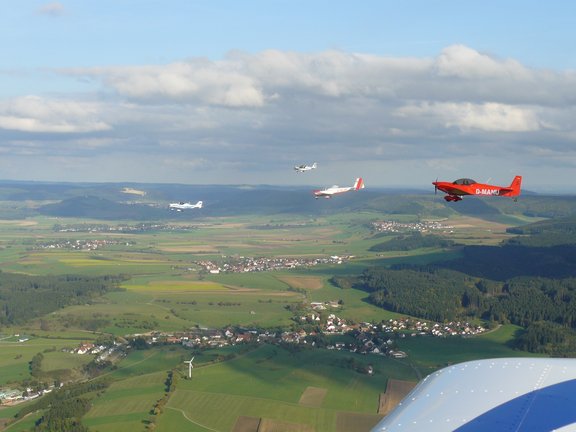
(189, 366)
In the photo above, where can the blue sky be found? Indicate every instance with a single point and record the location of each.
(399, 92)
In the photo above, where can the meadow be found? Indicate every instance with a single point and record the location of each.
(269, 383)
(14, 357)
(168, 290)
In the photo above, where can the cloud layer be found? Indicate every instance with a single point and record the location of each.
(249, 116)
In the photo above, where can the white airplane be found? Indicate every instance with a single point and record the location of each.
(504, 394)
(334, 190)
(181, 206)
(304, 168)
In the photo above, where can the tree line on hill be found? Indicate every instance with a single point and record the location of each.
(412, 241)
(545, 233)
(444, 295)
(565, 225)
(512, 260)
(25, 297)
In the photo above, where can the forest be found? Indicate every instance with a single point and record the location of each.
(25, 297)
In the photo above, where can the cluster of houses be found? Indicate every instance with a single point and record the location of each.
(104, 352)
(361, 342)
(87, 348)
(250, 264)
(399, 227)
(83, 244)
(13, 397)
(415, 327)
(364, 338)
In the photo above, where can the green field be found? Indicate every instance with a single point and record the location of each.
(427, 354)
(269, 383)
(14, 357)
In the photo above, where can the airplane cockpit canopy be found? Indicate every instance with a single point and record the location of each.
(464, 181)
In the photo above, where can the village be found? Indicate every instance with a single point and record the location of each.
(317, 329)
(249, 264)
(390, 226)
(84, 245)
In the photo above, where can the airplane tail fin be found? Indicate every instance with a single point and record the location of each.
(514, 189)
(199, 204)
(314, 165)
(359, 183)
(515, 186)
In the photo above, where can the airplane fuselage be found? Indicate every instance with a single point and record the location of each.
(304, 168)
(335, 190)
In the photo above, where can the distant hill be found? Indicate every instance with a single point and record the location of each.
(112, 201)
(565, 225)
(100, 208)
(512, 260)
(550, 232)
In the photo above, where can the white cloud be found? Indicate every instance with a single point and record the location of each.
(185, 82)
(243, 80)
(36, 114)
(459, 61)
(491, 117)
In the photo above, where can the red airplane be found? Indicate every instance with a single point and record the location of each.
(466, 186)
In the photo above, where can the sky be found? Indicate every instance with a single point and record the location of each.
(400, 93)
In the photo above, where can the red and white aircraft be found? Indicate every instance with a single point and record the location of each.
(334, 190)
(465, 186)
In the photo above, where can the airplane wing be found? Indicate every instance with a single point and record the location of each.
(450, 189)
(505, 394)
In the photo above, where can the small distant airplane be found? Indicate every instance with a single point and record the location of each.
(334, 190)
(465, 186)
(181, 206)
(304, 168)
